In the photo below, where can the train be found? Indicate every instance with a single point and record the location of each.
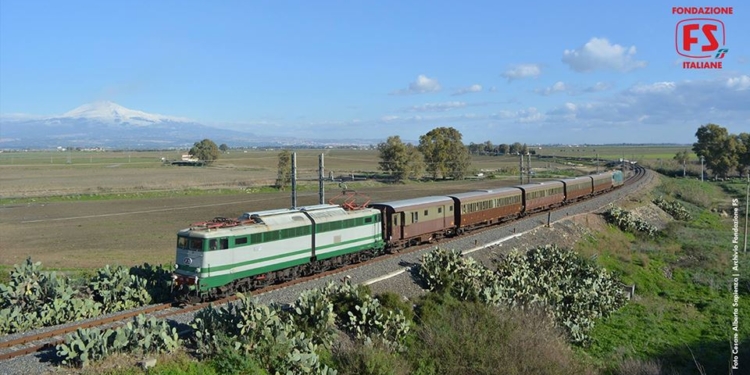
(220, 256)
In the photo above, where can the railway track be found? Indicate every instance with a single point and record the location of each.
(28, 344)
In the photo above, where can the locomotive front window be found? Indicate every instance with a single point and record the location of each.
(182, 242)
(196, 244)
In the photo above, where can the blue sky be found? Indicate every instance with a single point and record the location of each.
(570, 72)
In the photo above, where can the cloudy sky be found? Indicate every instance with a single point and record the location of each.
(537, 72)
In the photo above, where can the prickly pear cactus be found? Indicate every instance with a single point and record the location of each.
(558, 281)
(673, 208)
(116, 289)
(628, 222)
(312, 313)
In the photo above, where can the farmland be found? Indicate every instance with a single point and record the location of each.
(82, 210)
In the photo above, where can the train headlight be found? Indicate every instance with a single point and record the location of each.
(198, 270)
(176, 266)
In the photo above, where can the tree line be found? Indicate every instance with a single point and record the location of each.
(488, 148)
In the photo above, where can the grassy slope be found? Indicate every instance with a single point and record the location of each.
(682, 280)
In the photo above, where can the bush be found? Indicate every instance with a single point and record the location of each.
(673, 208)
(394, 302)
(573, 290)
(628, 222)
(368, 360)
(473, 338)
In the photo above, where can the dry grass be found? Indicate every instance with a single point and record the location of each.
(471, 338)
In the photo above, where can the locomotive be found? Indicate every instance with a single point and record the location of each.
(220, 256)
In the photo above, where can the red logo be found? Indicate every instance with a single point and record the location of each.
(699, 38)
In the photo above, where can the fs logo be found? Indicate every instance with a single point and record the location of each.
(701, 38)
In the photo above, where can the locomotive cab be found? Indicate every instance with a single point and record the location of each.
(189, 259)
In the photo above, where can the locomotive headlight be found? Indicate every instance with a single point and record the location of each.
(198, 270)
(176, 266)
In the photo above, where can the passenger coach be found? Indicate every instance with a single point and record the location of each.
(480, 208)
(538, 197)
(413, 221)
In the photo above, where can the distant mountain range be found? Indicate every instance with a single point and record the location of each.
(106, 124)
(109, 125)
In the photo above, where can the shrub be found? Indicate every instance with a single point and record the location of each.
(673, 208)
(571, 289)
(473, 338)
(628, 222)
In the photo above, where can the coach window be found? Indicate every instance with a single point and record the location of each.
(425, 212)
(240, 240)
(224, 243)
(213, 244)
(440, 210)
(415, 217)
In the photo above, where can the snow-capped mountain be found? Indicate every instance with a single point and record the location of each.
(106, 111)
(106, 124)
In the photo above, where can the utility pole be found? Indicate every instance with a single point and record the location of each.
(294, 180)
(528, 167)
(321, 188)
(520, 167)
(702, 168)
(597, 163)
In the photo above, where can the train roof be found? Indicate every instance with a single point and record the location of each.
(283, 211)
(501, 192)
(576, 179)
(415, 202)
(603, 175)
(540, 185)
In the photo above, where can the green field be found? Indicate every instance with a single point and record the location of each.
(126, 207)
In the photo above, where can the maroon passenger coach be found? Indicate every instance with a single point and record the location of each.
(602, 181)
(537, 197)
(480, 208)
(577, 187)
(413, 221)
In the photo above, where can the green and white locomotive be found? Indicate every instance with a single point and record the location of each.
(220, 256)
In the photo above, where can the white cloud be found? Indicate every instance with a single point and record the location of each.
(667, 105)
(529, 115)
(437, 107)
(599, 86)
(522, 71)
(599, 54)
(656, 87)
(492, 89)
(559, 86)
(422, 85)
(466, 90)
(739, 83)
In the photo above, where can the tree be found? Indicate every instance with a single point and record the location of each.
(515, 148)
(719, 149)
(205, 151)
(503, 148)
(682, 157)
(489, 147)
(224, 147)
(445, 153)
(743, 141)
(284, 174)
(401, 160)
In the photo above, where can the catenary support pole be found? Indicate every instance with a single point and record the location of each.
(321, 186)
(294, 180)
